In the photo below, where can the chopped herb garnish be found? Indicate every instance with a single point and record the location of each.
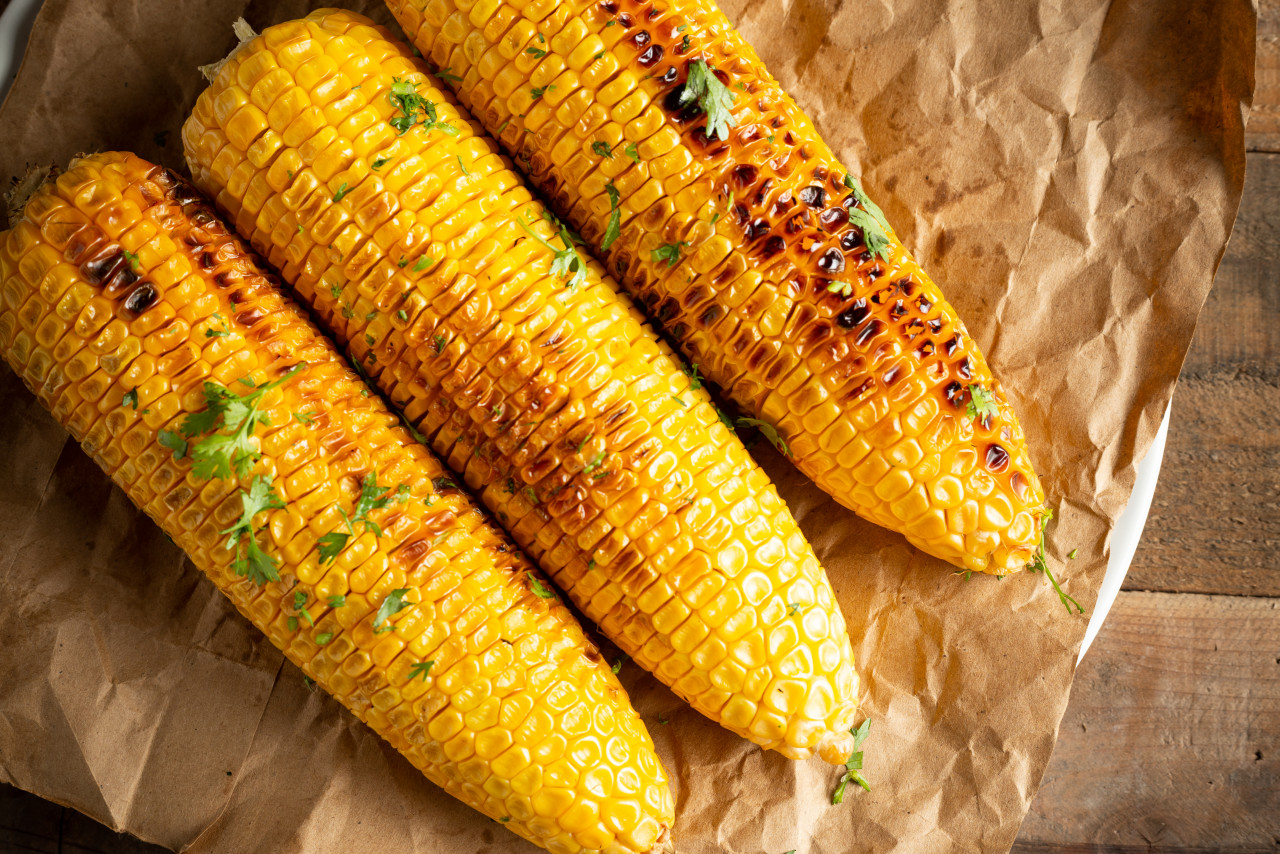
(462, 165)
(403, 315)
(368, 338)
(632, 152)
(348, 312)
(538, 91)
(309, 682)
(843, 288)
(1071, 555)
(684, 45)
(403, 262)
(853, 767)
(335, 291)
(769, 432)
(446, 74)
(342, 191)
(380, 162)
(233, 448)
(613, 228)
(374, 497)
(251, 560)
(134, 264)
(299, 228)
(1040, 564)
(724, 417)
(304, 418)
(404, 96)
(539, 589)
(595, 463)
(584, 442)
(331, 545)
(130, 399)
(712, 96)
(982, 403)
(535, 52)
(793, 608)
(502, 127)
(602, 148)
(597, 56)
(669, 252)
(695, 381)
(617, 665)
(337, 601)
(440, 483)
(609, 24)
(392, 605)
(422, 263)
(420, 670)
(300, 605)
(324, 637)
(565, 263)
(438, 342)
(173, 442)
(679, 401)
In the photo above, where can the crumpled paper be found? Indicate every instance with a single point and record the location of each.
(1067, 170)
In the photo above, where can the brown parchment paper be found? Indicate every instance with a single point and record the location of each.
(1068, 170)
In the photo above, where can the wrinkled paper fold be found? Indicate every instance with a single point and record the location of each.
(1067, 171)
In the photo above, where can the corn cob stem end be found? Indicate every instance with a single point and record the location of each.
(23, 188)
(244, 35)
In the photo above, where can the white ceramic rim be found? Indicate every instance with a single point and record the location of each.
(15, 26)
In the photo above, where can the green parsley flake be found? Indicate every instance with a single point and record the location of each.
(695, 381)
(420, 670)
(535, 52)
(565, 263)
(613, 229)
(602, 148)
(130, 399)
(539, 589)
(337, 601)
(769, 432)
(669, 252)
(538, 91)
(134, 263)
(446, 74)
(342, 191)
(632, 152)
(423, 263)
(380, 162)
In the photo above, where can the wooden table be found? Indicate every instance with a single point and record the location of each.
(1171, 742)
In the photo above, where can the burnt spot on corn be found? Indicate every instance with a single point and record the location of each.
(141, 298)
(997, 458)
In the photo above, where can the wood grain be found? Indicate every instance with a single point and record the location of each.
(1215, 520)
(1172, 739)
(1263, 130)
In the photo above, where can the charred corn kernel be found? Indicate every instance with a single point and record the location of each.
(773, 292)
(562, 410)
(436, 535)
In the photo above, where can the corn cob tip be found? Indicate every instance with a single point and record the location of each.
(835, 748)
(244, 35)
(23, 187)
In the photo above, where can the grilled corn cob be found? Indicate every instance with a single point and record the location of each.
(740, 232)
(423, 251)
(122, 297)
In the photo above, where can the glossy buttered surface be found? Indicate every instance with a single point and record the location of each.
(426, 256)
(737, 230)
(129, 309)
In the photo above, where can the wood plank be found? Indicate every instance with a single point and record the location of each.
(1215, 520)
(1172, 739)
(1263, 131)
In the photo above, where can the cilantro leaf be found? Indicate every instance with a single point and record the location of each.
(252, 561)
(130, 399)
(234, 448)
(342, 191)
(873, 233)
(392, 605)
(632, 152)
(769, 432)
(602, 148)
(174, 442)
(337, 601)
(420, 670)
(982, 403)
(865, 202)
(712, 96)
(374, 497)
(695, 381)
(331, 545)
(565, 263)
(535, 52)
(423, 263)
(669, 252)
(853, 766)
(414, 110)
(380, 162)
(1040, 564)
(614, 227)
(539, 589)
